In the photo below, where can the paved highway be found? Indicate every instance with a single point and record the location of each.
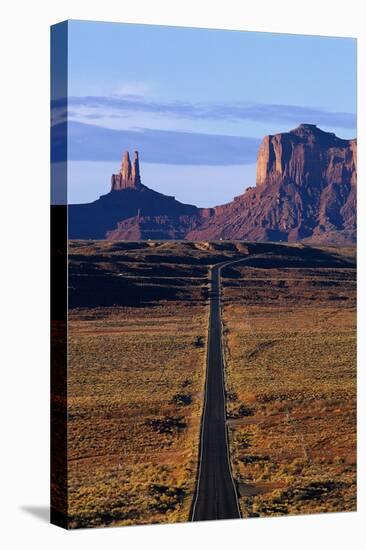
(215, 496)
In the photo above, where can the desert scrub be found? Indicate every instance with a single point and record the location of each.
(133, 426)
(291, 360)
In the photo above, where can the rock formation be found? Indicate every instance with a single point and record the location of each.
(128, 176)
(132, 211)
(305, 190)
(306, 156)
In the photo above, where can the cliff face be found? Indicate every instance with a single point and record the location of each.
(306, 156)
(305, 190)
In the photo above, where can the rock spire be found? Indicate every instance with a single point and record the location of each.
(129, 174)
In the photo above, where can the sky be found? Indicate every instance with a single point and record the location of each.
(196, 103)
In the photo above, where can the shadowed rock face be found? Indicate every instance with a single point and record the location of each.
(305, 190)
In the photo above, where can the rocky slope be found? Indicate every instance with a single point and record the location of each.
(305, 190)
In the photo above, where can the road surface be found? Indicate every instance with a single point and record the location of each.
(215, 496)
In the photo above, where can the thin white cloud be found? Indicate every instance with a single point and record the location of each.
(133, 89)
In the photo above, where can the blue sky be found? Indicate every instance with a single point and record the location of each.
(151, 88)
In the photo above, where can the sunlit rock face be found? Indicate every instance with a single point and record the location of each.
(306, 156)
(129, 174)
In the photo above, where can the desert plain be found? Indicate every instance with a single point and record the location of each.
(137, 342)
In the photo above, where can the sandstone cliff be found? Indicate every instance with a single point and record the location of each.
(305, 189)
(306, 156)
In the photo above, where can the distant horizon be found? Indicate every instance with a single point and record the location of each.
(196, 103)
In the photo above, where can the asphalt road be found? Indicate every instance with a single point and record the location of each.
(215, 496)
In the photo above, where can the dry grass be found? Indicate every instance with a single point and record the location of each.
(291, 381)
(135, 385)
